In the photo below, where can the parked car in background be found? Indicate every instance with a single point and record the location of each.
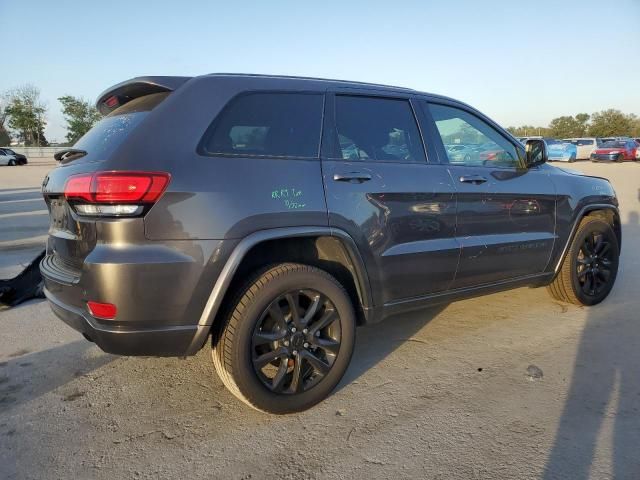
(19, 158)
(6, 159)
(459, 153)
(560, 151)
(585, 146)
(616, 151)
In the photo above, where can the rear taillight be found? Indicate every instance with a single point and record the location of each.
(115, 193)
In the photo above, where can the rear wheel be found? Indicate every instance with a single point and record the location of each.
(12, 163)
(620, 158)
(288, 341)
(590, 266)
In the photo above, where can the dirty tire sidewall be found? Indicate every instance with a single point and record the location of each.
(254, 301)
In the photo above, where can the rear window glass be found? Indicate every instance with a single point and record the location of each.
(109, 133)
(268, 124)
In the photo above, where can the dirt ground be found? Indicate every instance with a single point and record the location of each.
(512, 385)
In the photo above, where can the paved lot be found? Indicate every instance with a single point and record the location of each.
(23, 215)
(452, 393)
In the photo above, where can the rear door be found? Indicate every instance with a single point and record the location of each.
(380, 189)
(506, 212)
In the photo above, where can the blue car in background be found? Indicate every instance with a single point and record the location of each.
(558, 150)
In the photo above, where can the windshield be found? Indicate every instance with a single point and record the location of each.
(614, 144)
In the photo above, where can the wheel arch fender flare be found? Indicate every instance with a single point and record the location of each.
(585, 211)
(223, 282)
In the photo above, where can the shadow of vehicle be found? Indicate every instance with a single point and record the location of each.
(374, 343)
(26, 376)
(605, 386)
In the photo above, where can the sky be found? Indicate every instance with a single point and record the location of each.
(518, 62)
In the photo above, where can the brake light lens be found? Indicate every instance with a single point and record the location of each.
(105, 311)
(117, 187)
(112, 101)
(115, 193)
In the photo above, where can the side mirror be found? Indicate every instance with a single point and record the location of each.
(536, 152)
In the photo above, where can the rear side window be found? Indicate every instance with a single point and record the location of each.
(109, 133)
(268, 124)
(381, 129)
(585, 142)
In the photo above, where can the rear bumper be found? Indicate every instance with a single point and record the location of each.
(160, 291)
(604, 157)
(167, 341)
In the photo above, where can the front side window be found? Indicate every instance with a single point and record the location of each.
(377, 129)
(470, 141)
(268, 124)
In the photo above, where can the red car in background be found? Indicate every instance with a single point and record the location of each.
(615, 151)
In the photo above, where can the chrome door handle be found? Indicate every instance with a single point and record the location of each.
(475, 179)
(353, 177)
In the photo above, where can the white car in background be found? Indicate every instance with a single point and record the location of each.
(5, 159)
(585, 145)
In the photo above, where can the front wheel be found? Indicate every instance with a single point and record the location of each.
(590, 266)
(12, 163)
(620, 158)
(288, 340)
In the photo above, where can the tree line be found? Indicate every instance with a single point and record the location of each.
(607, 123)
(23, 116)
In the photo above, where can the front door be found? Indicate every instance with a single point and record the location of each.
(381, 190)
(506, 212)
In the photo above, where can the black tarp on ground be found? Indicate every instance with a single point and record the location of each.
(28, 284)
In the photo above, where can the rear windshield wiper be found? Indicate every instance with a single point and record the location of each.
(69, 153)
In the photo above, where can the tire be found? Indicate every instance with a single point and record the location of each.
(572, 159)
(239, 345)
(620, 158)
(570, 285)
(12, 163)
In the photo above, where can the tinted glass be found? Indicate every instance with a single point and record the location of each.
(481, 144)
(585, 142)
(379, 129)
(615, 144)
(109, 133)
(269, 124)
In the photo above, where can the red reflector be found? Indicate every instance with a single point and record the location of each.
(112, 101)
(106, 311)
(117, 187)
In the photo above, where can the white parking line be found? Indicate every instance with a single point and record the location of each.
(2, 202)
(19, 190)
(23, 214)
(25, 242)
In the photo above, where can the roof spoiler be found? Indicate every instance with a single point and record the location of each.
(126, 91)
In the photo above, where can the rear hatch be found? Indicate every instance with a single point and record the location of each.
(77, 215)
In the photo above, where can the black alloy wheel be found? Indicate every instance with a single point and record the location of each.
(296, 341)
(594, 263)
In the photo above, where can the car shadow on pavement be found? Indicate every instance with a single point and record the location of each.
(26, 375)
(605, 387)
(375, 342)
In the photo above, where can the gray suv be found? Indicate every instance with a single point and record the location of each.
(274, 214)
